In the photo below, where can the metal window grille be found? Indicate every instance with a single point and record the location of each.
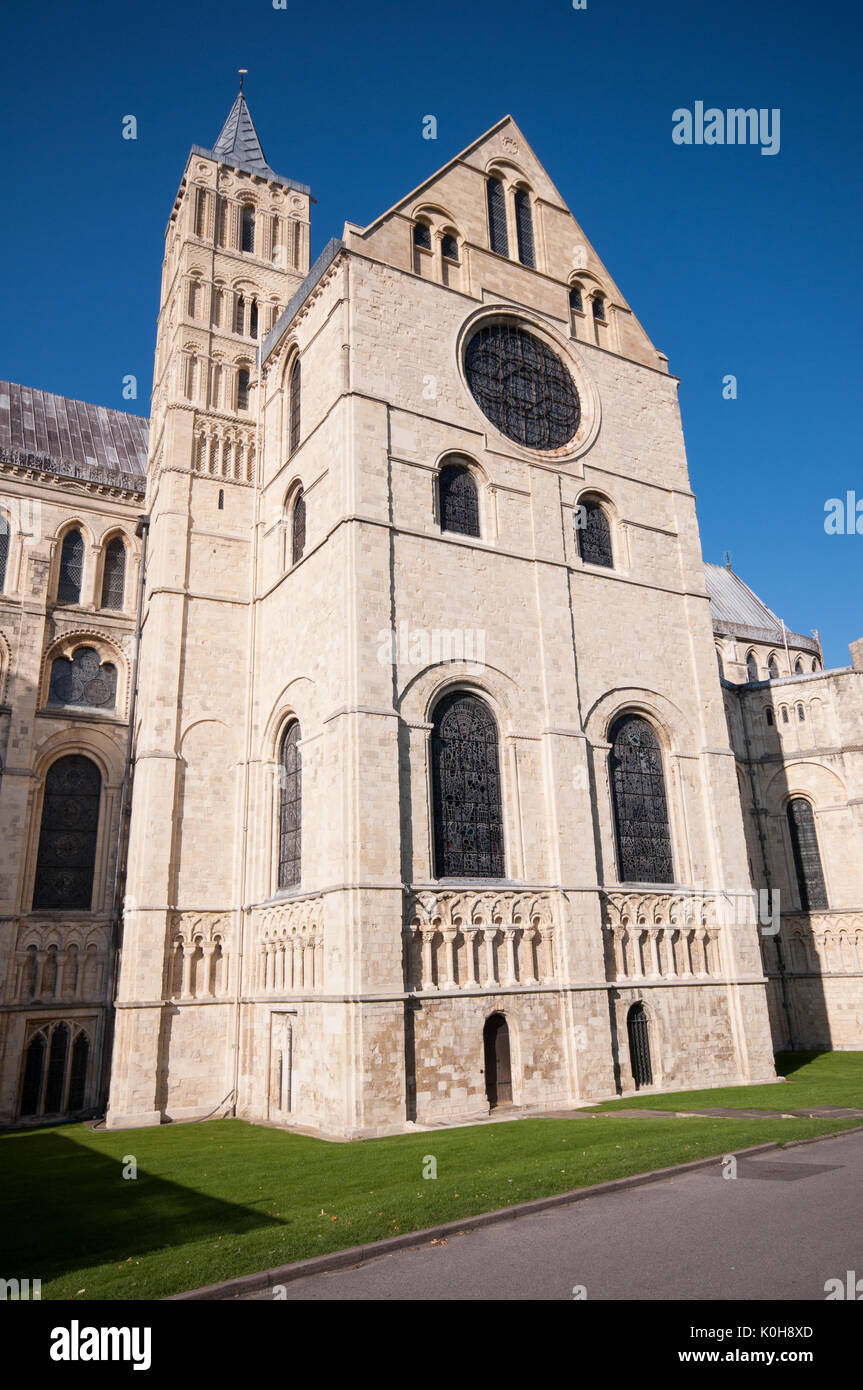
(290, 808)
(807, 857)
(422, 236)
(71, 568)
(114, 574)
(522, 387)
(639, 1046)
(575, 300)
(67, 842)
(497, 234)
(524, 227)
(459, 502)
(449, 247)
(298, 528)
(594, 538)
(4, 551)
(468, 817)
(83, 680)
(640, 807)
(294, 408)
(599, 308)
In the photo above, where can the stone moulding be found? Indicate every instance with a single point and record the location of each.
(817, 943)
(289, 947)
(662, 935)
(199, 961)
(471, 940)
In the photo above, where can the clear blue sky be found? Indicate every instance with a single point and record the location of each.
(735, 262)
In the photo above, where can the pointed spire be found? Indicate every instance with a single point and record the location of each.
(238, 143)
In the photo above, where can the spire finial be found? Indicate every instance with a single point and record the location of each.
(243, 73)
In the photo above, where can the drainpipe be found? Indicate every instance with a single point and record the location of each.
(142, 531)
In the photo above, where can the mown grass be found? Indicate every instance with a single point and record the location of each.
(811, 1079)
(223, 1198)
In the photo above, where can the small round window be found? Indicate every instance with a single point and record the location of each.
(523, 388)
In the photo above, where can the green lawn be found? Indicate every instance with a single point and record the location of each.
(223, 1198)
(811, 1078)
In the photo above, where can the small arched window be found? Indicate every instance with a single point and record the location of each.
(773, 669)
(806, 855)
(71, 568)
(4, 550)
(638, 1036)
(298, 527)
(798, 667)
(719, 664)
(243, 389)
(640, 805)
(497, 234)
(66, 859)
(524, 228)
(422, 236)
(194, 298)
(594, 534)
(768, 715)
(459, 500)
(83, 681)
(240, 315)
(449, 247)
(599, 308)
(468, 819)
(253, 319)
(114, 574)
(815, 665)
(784, 714)
(576, 302)
(290, 808)
(801, 714)
(247, 241)
(294, 393)
(751, 667)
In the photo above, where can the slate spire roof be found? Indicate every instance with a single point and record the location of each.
(239, 144)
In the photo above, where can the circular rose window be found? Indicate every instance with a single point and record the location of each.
(523, 388)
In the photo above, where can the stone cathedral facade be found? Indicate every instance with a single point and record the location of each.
(365, 757)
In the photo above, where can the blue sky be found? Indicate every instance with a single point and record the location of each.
(735, 262)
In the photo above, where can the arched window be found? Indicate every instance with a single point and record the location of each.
(798, 667)
(576, 303)
(67, 842)
(247, 236)
(459, 500)
(768, 715)
(801, 715)
(449, 247)
(114, 574)
(34, 1073)
(594, 534)
(71, 568)
(773, 668)
(422, 236)
(294, 388)
(290, 807)
(807, 858)
(497, 236)
(751, 667)
(784, 714)
(194, 298)
(640, 806)
(599, 308)
(253, 319)
(638, 1035)
(240, 315)
(55, 1086)
(298, 527)
(468, 819)
(524, 227)
(243, 388)
(719, 664)
(83, 681)
(815, 665)
(55, 1075)
(4, 550)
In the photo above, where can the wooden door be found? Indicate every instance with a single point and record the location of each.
(498, 1068)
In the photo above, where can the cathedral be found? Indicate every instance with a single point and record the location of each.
(376, 748)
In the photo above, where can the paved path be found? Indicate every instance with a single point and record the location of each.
(788, 1222)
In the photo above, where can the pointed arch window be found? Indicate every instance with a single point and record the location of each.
(468, 818)
(114, 574)
(247, 233)
(751, 667)
(806, 854)
(294, 389)
(243, 389)
(524, 228)
(798, 667)
(83, 681)
(459, 500)
(290, 808)
(497, 234)
(640, 805)
(594, 534)
(298, 527)
(4, 550)
(773, 669)
(66, 859)
(55, 1073)
(71, 568)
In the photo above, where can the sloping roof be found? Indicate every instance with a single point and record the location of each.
(738, 611)
(239, 144)
(61, 433)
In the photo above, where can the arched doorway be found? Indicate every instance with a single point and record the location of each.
(498, 1067)
(639, 1046)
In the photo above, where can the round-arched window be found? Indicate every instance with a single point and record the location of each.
(522, 386)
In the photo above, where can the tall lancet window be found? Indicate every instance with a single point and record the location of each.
(298, 528)
(524, 227)
(640, 806)
(71, 568)
(243, 389)
(253, 319)
(294, 389)
(66, 861)
(807, 857)
(247, 234)
(4, 550)
(468, 817)
(497, 235)
(290, 808)
(240, 315)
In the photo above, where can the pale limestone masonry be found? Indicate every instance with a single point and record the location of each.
(355, 1001)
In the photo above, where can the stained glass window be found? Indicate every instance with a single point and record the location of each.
(298, 528)
(459, 502)
(594, 534)
(640, 807)
(524, 227)
(290, 808)
(83, 680)
(67, 843)
(114, 574)
(807, 857)
(248, 228)
(468, 819)
(522, 387)
(294, 408)
(497, 234)
(71, 568)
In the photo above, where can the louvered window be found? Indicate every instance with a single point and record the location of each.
(640, 807)
(524, 227)
(71, 568)
(459, 502)
(594, 535)
(294, 408)
(114, 574)
(290, 808)
(67, 842)
(497, 236)
(807, 857)
(468, 818)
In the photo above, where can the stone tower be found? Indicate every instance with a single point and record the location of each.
(236, 247)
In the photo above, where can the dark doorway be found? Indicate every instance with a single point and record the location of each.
(498, 1070)
(639, 1046)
